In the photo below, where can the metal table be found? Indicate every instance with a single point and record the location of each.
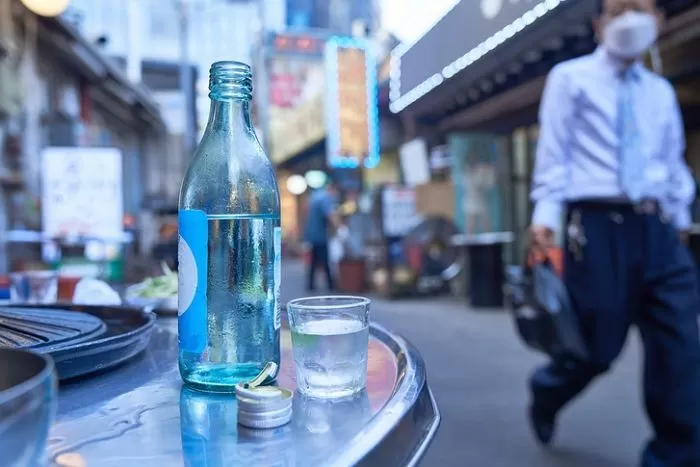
(140, 414)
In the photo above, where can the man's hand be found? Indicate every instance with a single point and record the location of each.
(685, 235)
(541, 238)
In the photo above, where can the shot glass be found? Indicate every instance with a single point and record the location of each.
(330, 338)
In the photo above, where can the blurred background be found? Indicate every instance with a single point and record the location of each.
(428, 126)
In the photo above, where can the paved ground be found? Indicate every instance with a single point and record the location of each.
(478, 369)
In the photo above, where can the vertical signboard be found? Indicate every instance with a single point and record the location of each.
(351, 104)
(296, 78)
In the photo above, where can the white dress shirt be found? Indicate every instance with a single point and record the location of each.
(578, 148)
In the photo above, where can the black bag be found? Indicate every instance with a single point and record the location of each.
(544, 316)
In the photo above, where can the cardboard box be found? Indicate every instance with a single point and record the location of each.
(436, 199)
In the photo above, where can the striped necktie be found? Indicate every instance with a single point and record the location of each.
(631, 158)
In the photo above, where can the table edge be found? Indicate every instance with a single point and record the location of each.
(411, 383)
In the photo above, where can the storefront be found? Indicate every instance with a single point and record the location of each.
(297, 177)
(679, 52)
(479, 89)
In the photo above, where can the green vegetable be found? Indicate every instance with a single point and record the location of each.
(164, 286)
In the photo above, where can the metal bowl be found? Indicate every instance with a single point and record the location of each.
(28, 391)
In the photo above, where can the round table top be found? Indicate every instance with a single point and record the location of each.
(141, 414)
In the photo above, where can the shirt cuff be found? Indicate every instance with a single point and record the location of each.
(547, 213)
(682, 219)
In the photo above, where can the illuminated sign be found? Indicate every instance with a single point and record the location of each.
(297, 44)
(351, 104)
(296, 130)
(295, 104)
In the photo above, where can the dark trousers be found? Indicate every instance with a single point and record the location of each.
(635, 270)
(319, 257)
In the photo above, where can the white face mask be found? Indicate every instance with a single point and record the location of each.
(629, 35)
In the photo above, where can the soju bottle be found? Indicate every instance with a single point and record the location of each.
(229, 245)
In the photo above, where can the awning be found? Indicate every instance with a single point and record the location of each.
(97, 68)
(491, 56)
(481, 44)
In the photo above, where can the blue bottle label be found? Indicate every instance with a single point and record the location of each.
(278, 275)
(192, 280)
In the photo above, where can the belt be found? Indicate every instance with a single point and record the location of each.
(647, 206)
(642, 207)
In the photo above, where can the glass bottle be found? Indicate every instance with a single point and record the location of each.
(229, 245)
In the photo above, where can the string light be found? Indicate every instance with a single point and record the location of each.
(400, 101)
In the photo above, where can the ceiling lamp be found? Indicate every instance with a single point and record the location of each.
(47, 8)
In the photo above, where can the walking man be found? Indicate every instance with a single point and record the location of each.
(322, 210)
(610, 159)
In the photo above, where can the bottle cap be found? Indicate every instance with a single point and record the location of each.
(259, 393)
(267, 420)
(263, 407)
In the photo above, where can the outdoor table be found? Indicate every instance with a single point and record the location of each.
(141, 414)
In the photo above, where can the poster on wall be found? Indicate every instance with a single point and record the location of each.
(82, 192)
(351, 104)
(415, 165)
(479, 170)
(399, 213)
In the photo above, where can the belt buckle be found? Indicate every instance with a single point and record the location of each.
(645, 206)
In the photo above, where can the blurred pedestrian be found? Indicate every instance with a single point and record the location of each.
(321, 213)
(611, 156)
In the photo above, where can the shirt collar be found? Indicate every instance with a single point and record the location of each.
(616, 67)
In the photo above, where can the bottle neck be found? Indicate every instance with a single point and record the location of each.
(230, 91)
(229, 115)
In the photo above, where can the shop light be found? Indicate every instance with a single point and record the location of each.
(395, 61)
(315, 178)
(48, 8)
(296, 184)
(400, 101)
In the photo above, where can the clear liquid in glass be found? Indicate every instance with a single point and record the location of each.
(330, 357)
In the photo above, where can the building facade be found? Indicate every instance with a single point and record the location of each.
(336, 16)
(153, 30)
(63, 93)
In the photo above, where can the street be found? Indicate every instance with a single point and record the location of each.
(477, 369)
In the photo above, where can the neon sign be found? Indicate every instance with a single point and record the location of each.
(352, 117)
